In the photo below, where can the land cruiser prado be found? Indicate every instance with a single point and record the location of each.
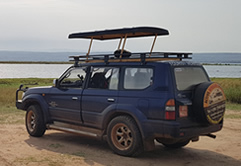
(128, 99)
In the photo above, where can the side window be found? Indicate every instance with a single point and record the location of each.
(74, 78)
(138, 78)
(104, 78)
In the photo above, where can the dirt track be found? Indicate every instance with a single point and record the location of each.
(59, 149)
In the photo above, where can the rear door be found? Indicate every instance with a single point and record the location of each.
(136, 89)
(100, 95)
(187, 78)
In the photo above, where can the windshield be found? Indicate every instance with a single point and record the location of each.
(188, 77)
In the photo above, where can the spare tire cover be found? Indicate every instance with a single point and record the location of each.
(209, 103)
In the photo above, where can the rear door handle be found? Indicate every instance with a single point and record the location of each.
(110, 100)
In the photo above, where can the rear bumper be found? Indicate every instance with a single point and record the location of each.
(172, 129)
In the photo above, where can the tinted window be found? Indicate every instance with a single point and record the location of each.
(188, 77)
(104, 78)
(138, 78)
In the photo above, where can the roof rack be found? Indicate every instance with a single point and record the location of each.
(121, 55)
(131, 57)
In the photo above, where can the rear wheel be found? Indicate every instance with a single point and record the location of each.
(124, 137)
(34, 121)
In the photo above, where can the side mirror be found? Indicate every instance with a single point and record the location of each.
(55, 82)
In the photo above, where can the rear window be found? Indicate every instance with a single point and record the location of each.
(188, 77)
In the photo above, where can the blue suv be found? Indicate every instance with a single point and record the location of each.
(128, 99)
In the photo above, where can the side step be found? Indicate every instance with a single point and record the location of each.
(75, 129)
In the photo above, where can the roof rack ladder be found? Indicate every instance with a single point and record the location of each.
(87, 55)
(123, 46)
(153, 45)
(120, 43)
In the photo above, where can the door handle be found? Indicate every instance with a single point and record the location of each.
(74, 98)
(110, 100)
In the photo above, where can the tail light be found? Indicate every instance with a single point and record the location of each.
(170, 109)
(183, 111)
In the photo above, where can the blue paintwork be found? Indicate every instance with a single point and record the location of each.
(96, 107)
(64, 104)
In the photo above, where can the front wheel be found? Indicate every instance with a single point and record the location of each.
(124, 137)
(34, 121)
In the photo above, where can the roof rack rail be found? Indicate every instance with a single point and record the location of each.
(131, 57)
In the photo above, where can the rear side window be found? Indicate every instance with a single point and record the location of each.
(188, 77)
(104, 78)
(138, 78)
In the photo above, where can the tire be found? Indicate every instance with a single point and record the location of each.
(177, 144)
(124, 137)
(34, 121)
(209, 103)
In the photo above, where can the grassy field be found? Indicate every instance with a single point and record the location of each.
(10, 115)
(231, 87)
(8, 112)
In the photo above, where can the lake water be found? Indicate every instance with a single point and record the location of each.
(32, 70)
(55, 70)
(223, 71)
(208, 58)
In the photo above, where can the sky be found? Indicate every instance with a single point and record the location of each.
(194, 25)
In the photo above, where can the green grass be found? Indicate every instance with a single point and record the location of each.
(231, 88)
(8, 88)
(8, 112)
(233, 106)
(10, 115)
(233, 111)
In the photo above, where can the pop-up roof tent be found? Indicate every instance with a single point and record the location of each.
(121, 33)
(126, 33)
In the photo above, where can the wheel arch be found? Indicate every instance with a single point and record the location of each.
(130, 111)
(36, 99)
(138, 117)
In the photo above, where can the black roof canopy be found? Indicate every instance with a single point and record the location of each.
(121, 33)
(122, 55)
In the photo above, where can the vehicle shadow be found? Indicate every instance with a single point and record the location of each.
(94, 151)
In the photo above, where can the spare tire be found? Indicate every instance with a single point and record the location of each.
(209, 103)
